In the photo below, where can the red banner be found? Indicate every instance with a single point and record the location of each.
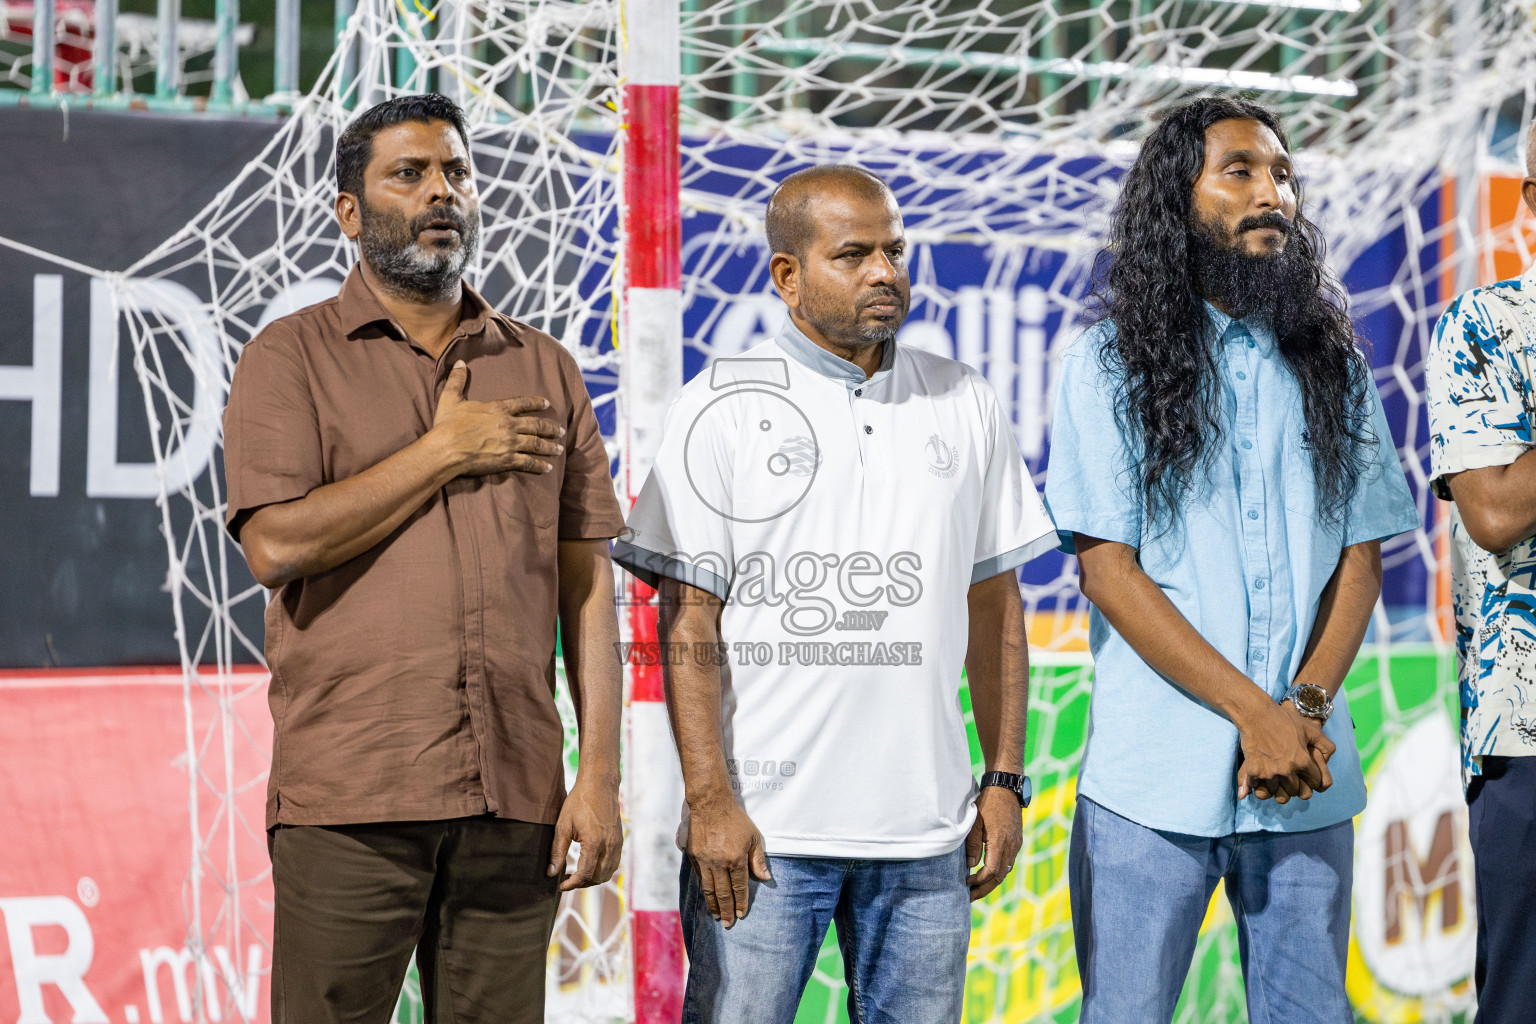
(97, 851)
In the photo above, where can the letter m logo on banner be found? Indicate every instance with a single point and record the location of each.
(1420, 884)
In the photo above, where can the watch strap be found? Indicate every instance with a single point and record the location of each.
(1018, 785)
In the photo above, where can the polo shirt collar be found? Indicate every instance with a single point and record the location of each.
(1254, 326)
(812, 356)
(359, 307)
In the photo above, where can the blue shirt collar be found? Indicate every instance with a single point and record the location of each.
(1228, 329)
(811, 355)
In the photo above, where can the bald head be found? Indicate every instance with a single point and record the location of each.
(791, 219)
(839, 260)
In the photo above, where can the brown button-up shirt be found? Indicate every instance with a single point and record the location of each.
(415, 681)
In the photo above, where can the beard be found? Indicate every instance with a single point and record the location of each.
(425, 273)
(1248, 283)
(842, 325)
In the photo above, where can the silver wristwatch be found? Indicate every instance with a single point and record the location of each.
(1311, 700)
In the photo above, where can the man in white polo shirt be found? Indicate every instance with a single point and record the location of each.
(835, 524)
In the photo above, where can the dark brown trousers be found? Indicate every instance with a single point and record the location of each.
(469, 895)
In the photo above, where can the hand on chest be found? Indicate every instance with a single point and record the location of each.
(392, 401)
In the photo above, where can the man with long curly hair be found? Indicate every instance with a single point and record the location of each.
(1222, 468)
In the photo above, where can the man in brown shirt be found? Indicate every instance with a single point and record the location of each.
(422, 482)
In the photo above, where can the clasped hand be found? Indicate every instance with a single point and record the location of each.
(1285, 754)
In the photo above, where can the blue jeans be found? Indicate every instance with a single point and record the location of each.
(903, 926)
(1139, 895)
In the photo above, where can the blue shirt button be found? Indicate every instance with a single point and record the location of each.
(1258, 655)
(868, 429)
(857, 392)
(1247, 445)
(1252, 514)
(1258, 584)
(1241, 375)
(1251, 343)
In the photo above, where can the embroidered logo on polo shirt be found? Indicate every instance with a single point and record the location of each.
(943, 460)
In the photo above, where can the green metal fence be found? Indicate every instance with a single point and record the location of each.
(260, 56)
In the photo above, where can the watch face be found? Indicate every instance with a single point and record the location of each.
(1311, 700)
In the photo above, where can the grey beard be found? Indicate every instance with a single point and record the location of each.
(406, 267)
(846, 330)
(878, 334)
(419, 273)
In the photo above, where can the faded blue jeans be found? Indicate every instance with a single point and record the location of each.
(903, 926)
(1139, 895)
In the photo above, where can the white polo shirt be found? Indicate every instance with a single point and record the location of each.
(842, 521)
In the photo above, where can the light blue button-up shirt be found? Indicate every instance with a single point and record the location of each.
(1245, 562)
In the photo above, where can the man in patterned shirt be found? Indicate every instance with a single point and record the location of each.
(1479, 377)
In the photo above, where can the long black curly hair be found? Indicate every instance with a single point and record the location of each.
(1146, 283)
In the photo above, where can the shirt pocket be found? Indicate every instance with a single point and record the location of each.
(532, 498)
(1298, 484)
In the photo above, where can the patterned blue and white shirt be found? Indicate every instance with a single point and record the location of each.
(1479, 378)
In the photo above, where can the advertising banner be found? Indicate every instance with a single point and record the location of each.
(97, 877)
(80, 533)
